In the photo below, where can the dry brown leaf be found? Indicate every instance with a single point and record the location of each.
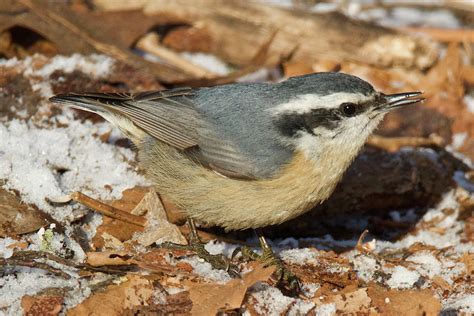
(111, 243)
(17, 217)
(159, 229)
(42, 305)
(108, 258)
(411, 302)
(210, 298)
(353, 302)
(116, 299)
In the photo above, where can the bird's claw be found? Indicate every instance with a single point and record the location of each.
(219, 262)
(287, 278)
(283, 275)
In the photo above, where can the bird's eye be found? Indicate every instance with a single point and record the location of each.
(348, 109)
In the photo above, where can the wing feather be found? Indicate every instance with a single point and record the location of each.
(171, 117)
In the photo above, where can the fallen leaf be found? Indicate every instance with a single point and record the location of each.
(17, 217)
(410, 302)
(116, 299)
(215, 297)
(353, 302)
(111, 243)
(41, 305)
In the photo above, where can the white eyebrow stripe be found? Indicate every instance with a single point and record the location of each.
(307, 102)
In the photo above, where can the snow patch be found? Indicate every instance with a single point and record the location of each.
(208, 62)
(78, 161)
(402, 278)
(205, 270)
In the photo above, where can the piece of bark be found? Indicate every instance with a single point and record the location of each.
(237, 27)
(73, 32)
(17, 217)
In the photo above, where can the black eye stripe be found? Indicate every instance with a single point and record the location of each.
(289, 124)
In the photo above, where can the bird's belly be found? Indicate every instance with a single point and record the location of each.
(236, 204)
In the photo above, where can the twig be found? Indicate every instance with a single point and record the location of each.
(28, 257)
(395, 143)
(32, 255)
(360, 242)
(108, 210)
(36, 265)
(150, 44)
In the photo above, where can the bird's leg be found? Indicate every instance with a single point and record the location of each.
(195, 245)
(269, 258)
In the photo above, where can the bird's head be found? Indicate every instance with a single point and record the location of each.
(333, 109)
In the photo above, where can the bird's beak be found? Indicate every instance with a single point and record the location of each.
(393, 101)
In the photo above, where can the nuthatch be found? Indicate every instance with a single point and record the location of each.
(248, 155)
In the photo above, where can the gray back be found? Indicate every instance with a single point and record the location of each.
(241, 114)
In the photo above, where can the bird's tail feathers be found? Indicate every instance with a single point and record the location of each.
(102, 105)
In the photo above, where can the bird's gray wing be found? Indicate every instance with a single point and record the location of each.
(171, 117)
(167, 115)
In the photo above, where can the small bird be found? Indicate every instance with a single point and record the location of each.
(247, 155)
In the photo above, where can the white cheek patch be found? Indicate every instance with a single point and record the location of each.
(349, 136)
(307, 102)
(325, 132)
(308, 144)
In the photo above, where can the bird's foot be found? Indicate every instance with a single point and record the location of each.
(284, 276)
(219, 262)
